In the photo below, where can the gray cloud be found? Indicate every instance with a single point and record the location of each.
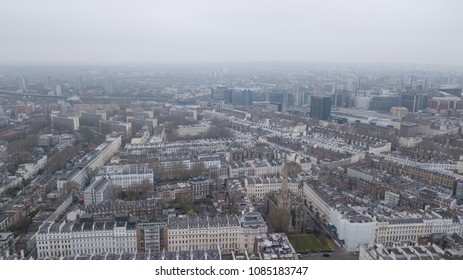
(120, 31)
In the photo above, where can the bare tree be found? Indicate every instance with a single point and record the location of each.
(279, 219)
(71, 187)
(60, 157)
(198, 169)
(136, 191)
(292, 168)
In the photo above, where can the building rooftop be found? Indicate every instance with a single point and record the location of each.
(275, 246)
(252, 220)
(202, 221)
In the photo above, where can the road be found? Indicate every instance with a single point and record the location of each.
(337, 254)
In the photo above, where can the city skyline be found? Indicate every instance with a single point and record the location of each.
(323, 160)
(231, 130)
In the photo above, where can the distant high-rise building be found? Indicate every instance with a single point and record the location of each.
(23, 84)
(49, 83)
(408, 129)
(342, 98)
(297, 98)
(282, 98)
(109, 126)
(65, 123)
(78, 84)
(414, 102)
(220, 93)
(59, 90)
(320, 107)
(302, 97)
(384, 103)
(109, 87)
(306, 98)
(92, 118)
(242, 97)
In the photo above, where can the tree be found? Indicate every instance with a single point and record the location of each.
(87, 135)
(99, 139)
(24, 155)
(197, 169)
(279, 219)
(60, 157)
(184, 196)
(158, 169)
(12, 191)
(21, 225)
(71, 186)
(38, 124)
(292, 168)
(184, 201)
(136, 192)
(217, 132)
(180, 171)
(89, 173)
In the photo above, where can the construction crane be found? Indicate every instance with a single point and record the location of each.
(423, 73)
(359, 79)
(411, 78)
(402, 85)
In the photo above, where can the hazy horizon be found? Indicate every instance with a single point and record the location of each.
(121, 32)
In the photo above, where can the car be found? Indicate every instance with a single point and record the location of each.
(326, 255)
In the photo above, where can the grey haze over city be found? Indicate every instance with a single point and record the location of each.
(231, 130)
(145, 32)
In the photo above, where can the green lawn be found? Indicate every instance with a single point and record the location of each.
(309, 243)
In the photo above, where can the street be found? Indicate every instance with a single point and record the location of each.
(337, 254)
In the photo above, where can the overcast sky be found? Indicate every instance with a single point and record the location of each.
(190, 31)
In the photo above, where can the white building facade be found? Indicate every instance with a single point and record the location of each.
(93, 237)
(97, 192)
(227, 232)
(127, 177)
(353, 228)
(258, 187)
(406, 230)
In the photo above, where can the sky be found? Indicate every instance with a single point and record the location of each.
(202, 31)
